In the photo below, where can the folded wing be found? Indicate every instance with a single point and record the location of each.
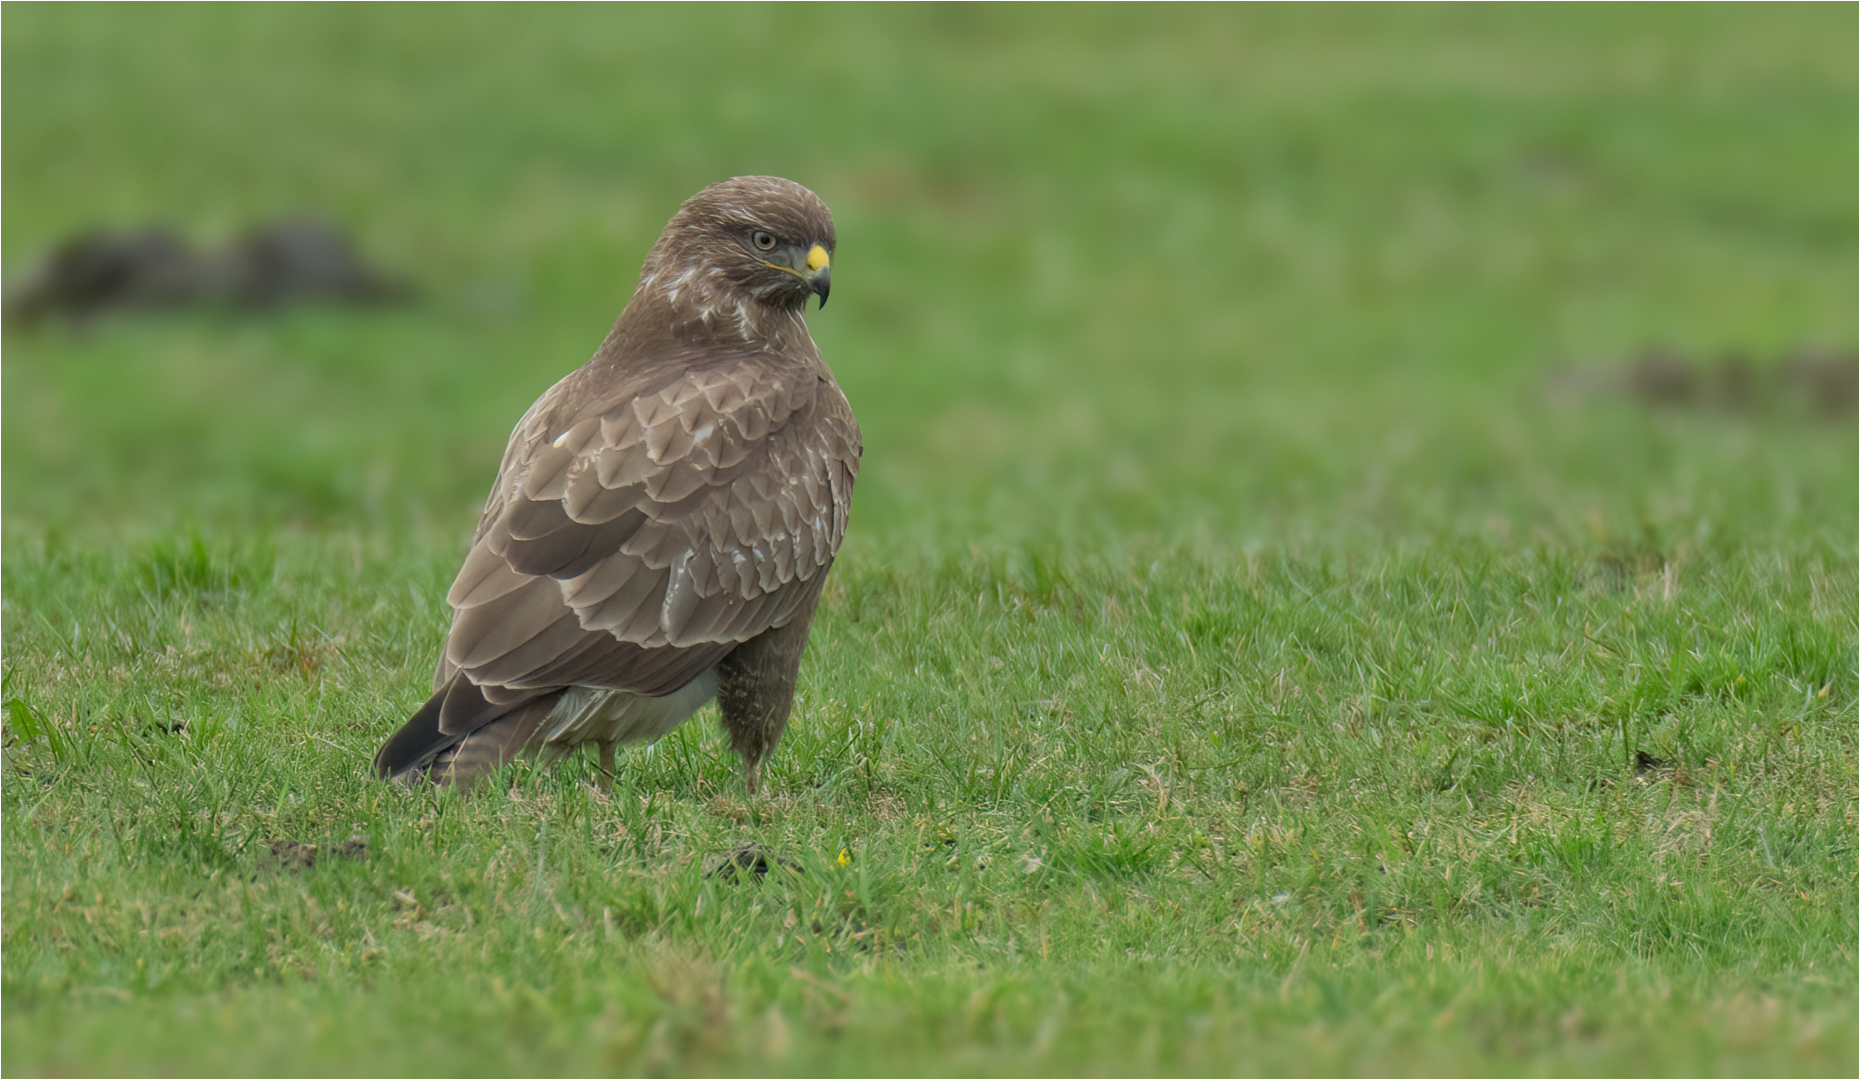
(634, 539)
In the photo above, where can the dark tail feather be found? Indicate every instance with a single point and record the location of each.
(496, 743)
(411, 749)
(421, 751)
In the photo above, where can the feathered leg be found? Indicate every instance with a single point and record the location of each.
(755, 688)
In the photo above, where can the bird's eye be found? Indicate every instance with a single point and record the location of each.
(763, 241)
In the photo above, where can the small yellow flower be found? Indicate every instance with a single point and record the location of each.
(845, 857)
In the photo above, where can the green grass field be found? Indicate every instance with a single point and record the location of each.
(1274, 636)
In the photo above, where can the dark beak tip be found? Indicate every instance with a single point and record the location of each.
(822, 284)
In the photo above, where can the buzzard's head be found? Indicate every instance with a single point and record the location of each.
(747, 243)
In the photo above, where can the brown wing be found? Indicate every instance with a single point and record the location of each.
(632, 541)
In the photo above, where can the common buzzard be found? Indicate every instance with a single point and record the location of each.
(664, 517)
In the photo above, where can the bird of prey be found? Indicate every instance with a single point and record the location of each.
(664, 517)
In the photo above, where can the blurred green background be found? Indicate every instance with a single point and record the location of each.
(1239, 273)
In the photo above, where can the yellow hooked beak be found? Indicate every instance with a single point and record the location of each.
(818, 275)
(819, 272)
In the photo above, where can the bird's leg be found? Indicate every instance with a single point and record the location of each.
(755, 689)
(606, 781)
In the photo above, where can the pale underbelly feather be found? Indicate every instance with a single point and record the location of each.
(593, 714)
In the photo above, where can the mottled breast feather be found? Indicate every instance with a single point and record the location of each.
(638, 532)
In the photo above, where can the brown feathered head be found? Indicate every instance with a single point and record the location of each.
(760, 239)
